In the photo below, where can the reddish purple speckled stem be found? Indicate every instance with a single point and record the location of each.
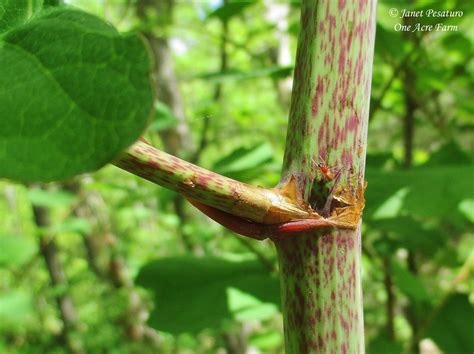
(320, 270)
(266, 206)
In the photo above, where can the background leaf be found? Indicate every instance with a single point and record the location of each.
(191, 294)
(451, 328)
(16, 250)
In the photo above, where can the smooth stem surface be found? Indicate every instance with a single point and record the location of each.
(239, 199)
(320, 270)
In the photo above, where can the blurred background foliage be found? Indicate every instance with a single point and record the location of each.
(108, 263)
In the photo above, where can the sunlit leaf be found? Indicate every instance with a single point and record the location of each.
(50, 199)
(16, 250)
(74, 93)
(15, 307)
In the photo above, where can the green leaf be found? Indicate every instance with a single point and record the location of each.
(383, 344)
(409, 284)
(245, 162)
(163, 118)
(74, 93)
(267, 341)
(15, 12)
(245, 307)
(448, 155)
(15, 307)
(50, 199)
(466, 207)
(16, 250)
(229, 10)
(72, 224)
(275, 72)
(431, 191)
(451, 328)
(406, 232)
(192, 294)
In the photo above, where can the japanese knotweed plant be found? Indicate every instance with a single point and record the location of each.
(75, 93)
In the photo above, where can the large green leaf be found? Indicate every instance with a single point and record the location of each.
(406, 232)
(192, 294)
(73, 94)
(15, 12)
(427, 191)
(451, 328)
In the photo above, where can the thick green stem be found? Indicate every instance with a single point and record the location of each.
(320, 271)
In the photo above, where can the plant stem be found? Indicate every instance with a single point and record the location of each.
(390, 302)
(320, 271)
(67, 310)
(240, 199)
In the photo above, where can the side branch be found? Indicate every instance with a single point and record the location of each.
(266, 206)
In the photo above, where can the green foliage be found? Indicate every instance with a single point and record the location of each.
(245, 163)
(230, 9)
(88, 94)
(427, 192)
(16, 250)
(450, 327)
(192, 294)
(50, 199)
(163, 118)
(15, 308)
(15, 12)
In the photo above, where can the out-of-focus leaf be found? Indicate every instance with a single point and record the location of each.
(391, 207)
(267, 341)
(405, 232)
(50, 199)
(409, 284)
(466, 207)
(163, 118)
(229, 10)
(382, 344)
(16, 250)
(431, 78)
(191, 294)
(15, 308)
(275, 72)
(15, 12)
(449, 154)
(378, 160)
(389, 43)
(245, 160)
(246, 307)
(451, 328)
(457, 42)
(73, 224)
(432, 192)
